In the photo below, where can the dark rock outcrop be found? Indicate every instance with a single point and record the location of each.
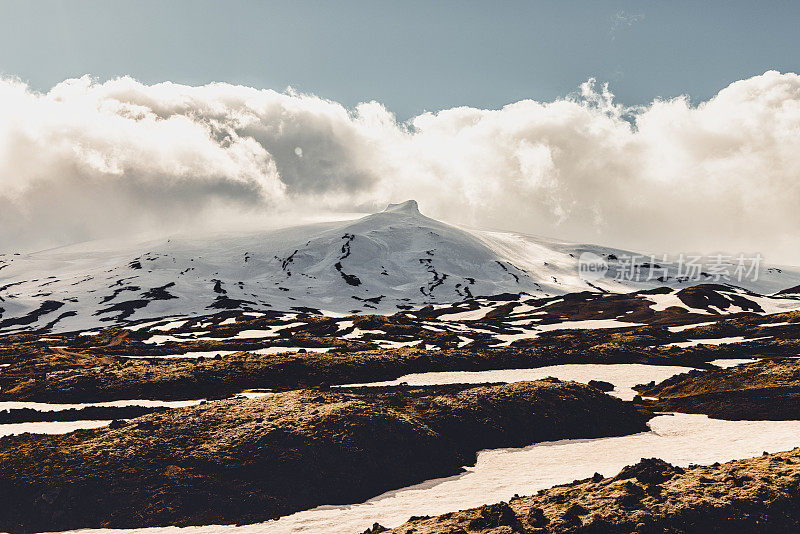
(239, 461)
(763, 390)
(601, 385)
(758, 495)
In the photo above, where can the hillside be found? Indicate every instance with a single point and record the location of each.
(397, 259)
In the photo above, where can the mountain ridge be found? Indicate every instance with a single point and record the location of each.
(393, 260)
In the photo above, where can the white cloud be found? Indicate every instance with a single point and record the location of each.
(89, 160)
(621, 19)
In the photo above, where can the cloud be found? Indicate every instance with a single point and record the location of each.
(90, 160)
(621, 19)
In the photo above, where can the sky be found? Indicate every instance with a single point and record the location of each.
(412, 56)
(658, 126)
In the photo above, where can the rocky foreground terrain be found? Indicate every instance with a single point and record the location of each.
(121, 363)
(305, 443)
(242, 461)
(79, 378)
(762, 390)
(757, 495)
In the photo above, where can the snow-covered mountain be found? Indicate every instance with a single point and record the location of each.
(393, 260)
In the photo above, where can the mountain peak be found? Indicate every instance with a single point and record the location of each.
(409, 206)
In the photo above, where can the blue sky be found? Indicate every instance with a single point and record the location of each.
(411, 56)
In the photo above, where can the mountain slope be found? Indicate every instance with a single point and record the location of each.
(388, 261)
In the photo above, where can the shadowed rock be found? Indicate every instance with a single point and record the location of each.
(241, 461)
(757, 495)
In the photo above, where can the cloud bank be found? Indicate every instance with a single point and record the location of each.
(90, 160)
